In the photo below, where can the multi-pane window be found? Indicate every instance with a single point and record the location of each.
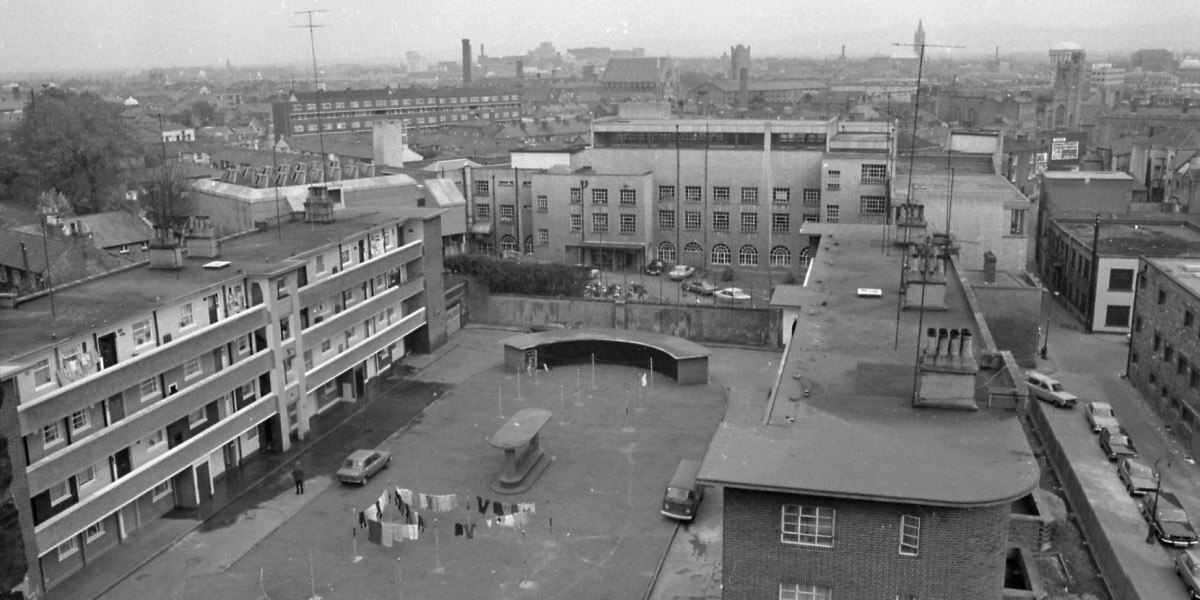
(141, 333)
(720, 221)
(874, 174)
(721, 194)
(666, 193)
(320, 263)
(60, 491)
(543, 237)
(576, 196)
(781, 257)
(191, 368)
(812, 198)
(833, 180)
(600, 223)
(804, 591)
(186, 316)
(508, 213)
(749, 222)
(543, 203)
(79, 420)
(85, 477)
(910, 535)
(693, 248)
(628, 197)
(576, 223)
(628, 223)
(781, 195)
(67, 548)
(197, 417)
(94, 531)
(666, 219)
(807, 525)
(483, 212)
(600, 196)
(481, 188)
(831, 213)
(691, 193)
(781, 222)
(1016, 221)
(748, 256)
(721, 254)
(666, 252)
(148, 388)
(51, 434)
(692, 220)
(872, 205)
(41, 373)
(749, 195)
(163, 488)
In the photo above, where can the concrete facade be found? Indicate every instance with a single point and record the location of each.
(345, 111)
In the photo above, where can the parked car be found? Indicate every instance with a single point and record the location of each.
(654, 267)
(1116, 444)
(702, 287)
(681, 272)
(1100, 415)
(1048, 390)
(732, 294)
(362, 464)
(1187, 565)
(1137, 477)
(1168, 520)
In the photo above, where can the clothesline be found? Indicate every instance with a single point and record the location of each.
(409, 523)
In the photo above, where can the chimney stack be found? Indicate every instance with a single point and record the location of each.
(989, 266)
(1187, 103)
(743, 89)
(466, 60)
(520, 69)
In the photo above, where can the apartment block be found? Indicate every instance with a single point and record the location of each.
(349, 111)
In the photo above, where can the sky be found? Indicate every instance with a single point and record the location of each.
(50, 35)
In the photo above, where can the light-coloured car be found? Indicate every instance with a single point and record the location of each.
(1187, 565)
(1137, 477)
(702, 287)
(1048, 390)
(362, 464)
(680, 272)
(1100, 415)
(732, 294)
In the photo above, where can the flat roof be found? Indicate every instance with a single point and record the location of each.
(126, 294)
(856, 433)
(1185, 271)
(678, 348)
(1086, 175)
(1133, 239)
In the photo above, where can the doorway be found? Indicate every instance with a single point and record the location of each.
(106, 345)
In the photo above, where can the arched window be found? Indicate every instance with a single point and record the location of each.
(529, 244)
(805, 258)
(748, 256)
(509, 243)
(666, 252)
(693, 247)
(720, 254)
(781, 257)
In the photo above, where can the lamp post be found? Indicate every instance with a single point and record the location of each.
(1046, 335)
(1157, 490)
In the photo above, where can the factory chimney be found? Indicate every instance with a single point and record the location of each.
(466, 62)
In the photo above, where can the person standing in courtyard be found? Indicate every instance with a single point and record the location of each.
(298, 478)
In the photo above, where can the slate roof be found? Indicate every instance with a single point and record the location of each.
(10, 249)
(109, 229)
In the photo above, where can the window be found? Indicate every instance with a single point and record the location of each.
(720, 254)
(161, 490)
(41, 373)
(666, 252)
(721, 194)
(833, 180)
(141, 333)
(576, 196)
(831, 213)
(807, 525)
(345, 255)
(691, 220)
(872, 205)
(910, 535)
(749, 195)
(320, 263)
(628, 197)
(67, 548)
(874, 174)
(781, 257)
(543, 237)
(1116, 316)
(85, 477)
(781, 195)
(691, 193)
(1162, 297)
(748, 256)
(508, 213)
(600, 223)
(60, 492)
(749, 222)
(1016, 222)
(285, 324)
(577, 223)
(1188, 318)
(51, 435)
(508, 243)
(812, 198)
(197, 417)
(1168, 353)
(481, 188)
(628, 223)
(804, 591)
(149, 388)
(1120, 279)
(186, 318)
(720, 221)
(693, 248)
(80, 420)
(191, 368)
(599, 197)
(666, 193)
(666, 219)
(781, 222)
(483, 212)
(543, 204)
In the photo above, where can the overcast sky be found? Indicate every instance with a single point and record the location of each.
(40, 35)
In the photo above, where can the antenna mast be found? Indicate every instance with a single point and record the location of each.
(316, 88)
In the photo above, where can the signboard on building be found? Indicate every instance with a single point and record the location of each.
(1063, 149)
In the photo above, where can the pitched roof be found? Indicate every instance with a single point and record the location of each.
(10, 249)
(114, 229)
(635, 70)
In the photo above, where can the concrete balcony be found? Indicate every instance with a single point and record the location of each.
(351, 276)
(142, 479)
(77, 457)
(334, 324)
(89, 390)
(326, 371)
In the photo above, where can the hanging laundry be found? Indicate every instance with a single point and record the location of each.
(444, 503)
(411, 517)
(526, 507)
(469, 529)
(362, 519)
(483, 505)
(374, 532)
(406, 532)
(397, 499)
(512, 509)
(372, 513)
(458, 529)
(406, 495)
(420, 523)
(388, 534)
(498, 509)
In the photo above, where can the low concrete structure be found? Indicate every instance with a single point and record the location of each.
(685, 362)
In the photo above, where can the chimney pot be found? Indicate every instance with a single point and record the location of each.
(955, 346)
(967, 352)
(943, 337)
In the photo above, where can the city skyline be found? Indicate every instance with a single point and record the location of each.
(138, 34)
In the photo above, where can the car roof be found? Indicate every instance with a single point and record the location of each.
(361, 454)
(1099, 405)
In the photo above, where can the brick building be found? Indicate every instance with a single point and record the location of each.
(348, 111)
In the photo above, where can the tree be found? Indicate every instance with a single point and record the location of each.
(164, 200)
(75, 143)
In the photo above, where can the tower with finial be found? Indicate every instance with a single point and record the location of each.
(919, 37)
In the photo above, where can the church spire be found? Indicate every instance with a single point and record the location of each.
(919, 37)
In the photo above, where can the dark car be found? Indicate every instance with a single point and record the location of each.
(655, 267)
(702, 287)
(1168, 520)
(1116, 444)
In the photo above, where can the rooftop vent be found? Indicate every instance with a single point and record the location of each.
(216, 264)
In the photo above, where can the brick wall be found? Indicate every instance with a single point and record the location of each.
(961, 550)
